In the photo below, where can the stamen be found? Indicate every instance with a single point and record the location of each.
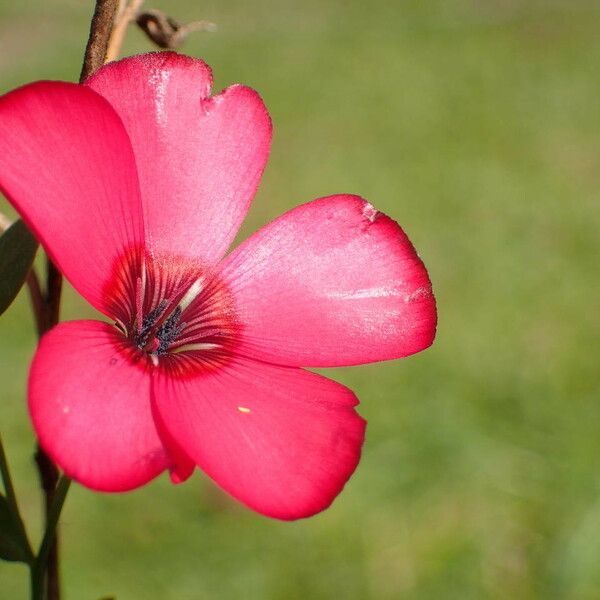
(121, 326)
(139, 301)
(140, 293)
(191, 294)
(190, 336)
(189, 347)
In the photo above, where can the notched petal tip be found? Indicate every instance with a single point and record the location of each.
(250, 107)
(203, 154)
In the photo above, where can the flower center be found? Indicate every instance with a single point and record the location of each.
(173, 311)
(155, 337)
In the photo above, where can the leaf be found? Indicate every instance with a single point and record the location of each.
(17, 251)
(12, 545)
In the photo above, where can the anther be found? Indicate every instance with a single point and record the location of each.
(167, 333)
(143, 335)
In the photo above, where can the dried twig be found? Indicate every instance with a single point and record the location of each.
(165, 31)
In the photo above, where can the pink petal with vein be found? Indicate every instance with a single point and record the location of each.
(90, 406)
(282, 441)
(200, 158)
(67, 166)
(330, 283)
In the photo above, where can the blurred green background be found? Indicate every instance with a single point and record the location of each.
(476, 125)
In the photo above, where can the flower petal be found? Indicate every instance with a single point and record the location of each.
(90, 406)
(67, 166)
(282, 441)
(200, 159)
(331, 283)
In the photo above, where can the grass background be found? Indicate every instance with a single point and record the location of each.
(476, 125)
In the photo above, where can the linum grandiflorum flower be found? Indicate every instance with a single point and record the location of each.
(136, 184)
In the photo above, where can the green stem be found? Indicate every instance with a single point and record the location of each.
(11, 500)
(38, 570)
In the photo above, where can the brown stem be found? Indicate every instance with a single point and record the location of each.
(49, 478)
(100, 31)
(48, 472)
(95, 54)
(38, 302)
(53, 292)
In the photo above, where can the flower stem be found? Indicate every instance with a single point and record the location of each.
(48, 542)
(38, 304)
(47, 470)
(100, 31)
(48, 474)
(53, 292)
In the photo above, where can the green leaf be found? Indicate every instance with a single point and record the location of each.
(12, 545)
(17, 251)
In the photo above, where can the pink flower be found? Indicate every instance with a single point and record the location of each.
(136, 184)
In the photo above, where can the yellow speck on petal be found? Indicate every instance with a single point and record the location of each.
(244, 410)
